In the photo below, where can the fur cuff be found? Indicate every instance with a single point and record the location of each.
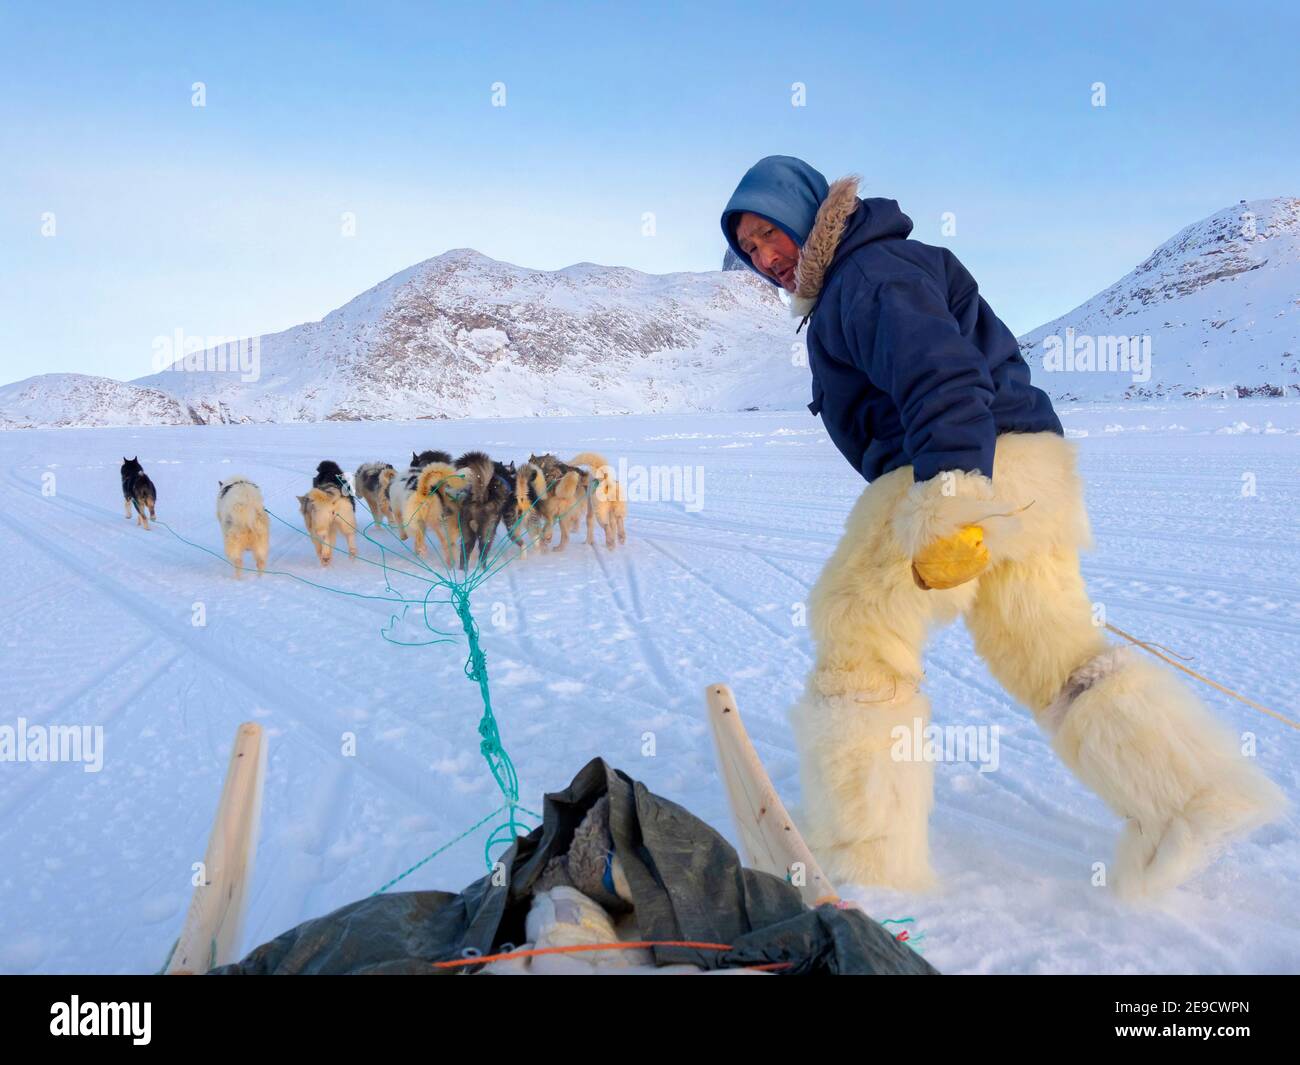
(937, 508)
(1093, 671)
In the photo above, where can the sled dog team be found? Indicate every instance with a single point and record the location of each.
(461, 503)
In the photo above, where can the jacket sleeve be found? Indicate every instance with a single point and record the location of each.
(909, 345)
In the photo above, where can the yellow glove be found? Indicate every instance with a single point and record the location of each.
(951, 561)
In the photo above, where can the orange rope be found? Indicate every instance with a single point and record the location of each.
(461, 962)
(1201, 677)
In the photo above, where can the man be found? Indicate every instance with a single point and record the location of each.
(974, 508)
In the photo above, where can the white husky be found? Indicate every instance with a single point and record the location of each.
(244, 524)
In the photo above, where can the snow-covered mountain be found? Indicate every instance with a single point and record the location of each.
(1213, 311)
(61, 400)
(463, 335)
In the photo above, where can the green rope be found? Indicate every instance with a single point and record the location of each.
(458, 582)
(428, 858)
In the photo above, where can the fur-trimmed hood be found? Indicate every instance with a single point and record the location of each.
(824, 220)
(910, 366)
(784, 190)
(844, 223)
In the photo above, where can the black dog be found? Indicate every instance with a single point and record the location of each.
(418, 462)
(506, 475)
(329, 475)
(137, 491)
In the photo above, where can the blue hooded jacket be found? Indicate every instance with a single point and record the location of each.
(910, 366)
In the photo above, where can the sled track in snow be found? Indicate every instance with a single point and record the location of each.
(124, 696)
(785, 636)
(283, 555)
(664, 677)
(411, 781)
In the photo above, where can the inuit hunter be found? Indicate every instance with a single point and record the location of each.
(974, 508)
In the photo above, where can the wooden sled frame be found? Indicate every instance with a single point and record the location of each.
(769, 839)
(213, 926)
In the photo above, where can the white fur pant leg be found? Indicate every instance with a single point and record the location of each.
(865, 812)
(1139, 738)
(1032, 622)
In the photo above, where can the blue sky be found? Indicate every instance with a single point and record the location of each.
(225, 220)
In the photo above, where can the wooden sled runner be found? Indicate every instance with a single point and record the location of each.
(211, 933)
(769, 840)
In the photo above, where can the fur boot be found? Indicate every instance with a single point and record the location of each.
(1152, 751)
(865, 812)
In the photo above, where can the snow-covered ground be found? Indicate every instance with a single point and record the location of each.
(589, 652)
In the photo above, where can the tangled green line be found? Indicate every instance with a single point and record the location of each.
(459, 583)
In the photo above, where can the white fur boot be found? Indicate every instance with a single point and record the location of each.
(1152, 751)
(865, 813)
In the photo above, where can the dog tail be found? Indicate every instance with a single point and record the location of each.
(591, 459)
(480, 471)
(247, 512)
(607, 487)
(440, 477)
(386, 476)
(529, 477)
(567, 486)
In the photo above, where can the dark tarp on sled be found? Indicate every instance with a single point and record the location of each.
(687, 883)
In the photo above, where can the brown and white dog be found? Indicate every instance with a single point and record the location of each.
(137, 491)
(244, 524)
(606, 499)
(547, 492)
(326, 512)
(427, 498)
(490, 499)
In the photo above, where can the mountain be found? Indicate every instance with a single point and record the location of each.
(463, 335)
(62, 400)
(1213, 311)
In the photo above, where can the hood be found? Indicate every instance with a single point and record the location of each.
(844, 223)
(784, 190)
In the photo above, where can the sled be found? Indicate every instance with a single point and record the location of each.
(769, 839)
(213, 925)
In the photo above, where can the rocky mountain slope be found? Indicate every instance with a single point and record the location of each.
(462, 335)
(1215, 311)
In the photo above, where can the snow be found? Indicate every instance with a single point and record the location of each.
(592, 653)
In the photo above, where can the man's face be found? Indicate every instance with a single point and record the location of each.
(771, 251)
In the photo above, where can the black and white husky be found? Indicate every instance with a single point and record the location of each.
(329, 474)
(372, 480)
(137, 491)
